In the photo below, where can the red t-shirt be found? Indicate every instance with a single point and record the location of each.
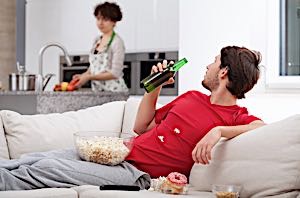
(180, 125)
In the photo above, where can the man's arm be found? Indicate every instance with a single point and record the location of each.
(232, 131)
(202, 151)
(145, 116)
(144, 120)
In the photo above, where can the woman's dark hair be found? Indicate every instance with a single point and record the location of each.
(243, 69)
(110, 11)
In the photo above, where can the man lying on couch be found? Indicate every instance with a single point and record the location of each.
(170, 139)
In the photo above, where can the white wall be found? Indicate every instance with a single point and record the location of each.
(207, 26)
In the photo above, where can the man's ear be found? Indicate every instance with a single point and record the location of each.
(223, 72)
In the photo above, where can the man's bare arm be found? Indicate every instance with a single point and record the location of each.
(202, 151)
(232, 131)
(144, 120)
(145, 116)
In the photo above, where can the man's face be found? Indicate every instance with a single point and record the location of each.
(211, 80)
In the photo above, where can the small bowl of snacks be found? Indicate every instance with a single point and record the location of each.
(226, 191)
(103, 147)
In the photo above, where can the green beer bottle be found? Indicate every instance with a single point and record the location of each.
(158, 78)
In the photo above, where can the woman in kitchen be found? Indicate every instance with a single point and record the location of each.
(107, 54)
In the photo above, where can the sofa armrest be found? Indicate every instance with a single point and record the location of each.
(3, 144)
(265, 161)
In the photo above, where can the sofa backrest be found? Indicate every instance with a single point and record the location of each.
(43, 132)
(130, 112)
(3, 144)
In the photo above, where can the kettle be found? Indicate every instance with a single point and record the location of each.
(28, 82)
(21, 82)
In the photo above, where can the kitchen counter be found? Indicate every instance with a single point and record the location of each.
(30, 102)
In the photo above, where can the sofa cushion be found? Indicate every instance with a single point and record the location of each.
(265, 161)
(43, 132)
(41, 193)
(3, 143)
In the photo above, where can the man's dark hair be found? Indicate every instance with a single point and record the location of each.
(110, 11)
(243, 69)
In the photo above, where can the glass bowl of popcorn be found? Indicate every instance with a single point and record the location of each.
(103, 147)
(226, 191)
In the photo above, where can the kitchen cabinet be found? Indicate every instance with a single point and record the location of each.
(157, 25)
(146, 25)
(149, 25)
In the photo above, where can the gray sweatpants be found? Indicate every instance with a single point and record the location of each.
(63, 168)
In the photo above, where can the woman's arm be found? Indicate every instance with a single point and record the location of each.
(118, 56)
(80, 79)
(102, 76)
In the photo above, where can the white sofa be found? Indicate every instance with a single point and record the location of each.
(265, 161)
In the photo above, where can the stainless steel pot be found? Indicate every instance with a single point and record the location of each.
(22, 82)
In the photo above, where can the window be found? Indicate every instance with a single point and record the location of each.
(283, 44)
(290, 38)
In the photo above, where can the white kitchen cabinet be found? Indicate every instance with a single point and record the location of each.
(146, 25)
(127, 27)
(157, 25)
(149, 25)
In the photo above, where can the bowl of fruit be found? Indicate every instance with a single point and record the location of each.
(66, 86)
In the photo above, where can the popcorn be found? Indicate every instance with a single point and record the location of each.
(102, 149)
(157, 183)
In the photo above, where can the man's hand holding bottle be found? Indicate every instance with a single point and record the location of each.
(160, 67)
(162, 74)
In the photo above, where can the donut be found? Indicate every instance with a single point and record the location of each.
(177, 178)
(175, 183)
